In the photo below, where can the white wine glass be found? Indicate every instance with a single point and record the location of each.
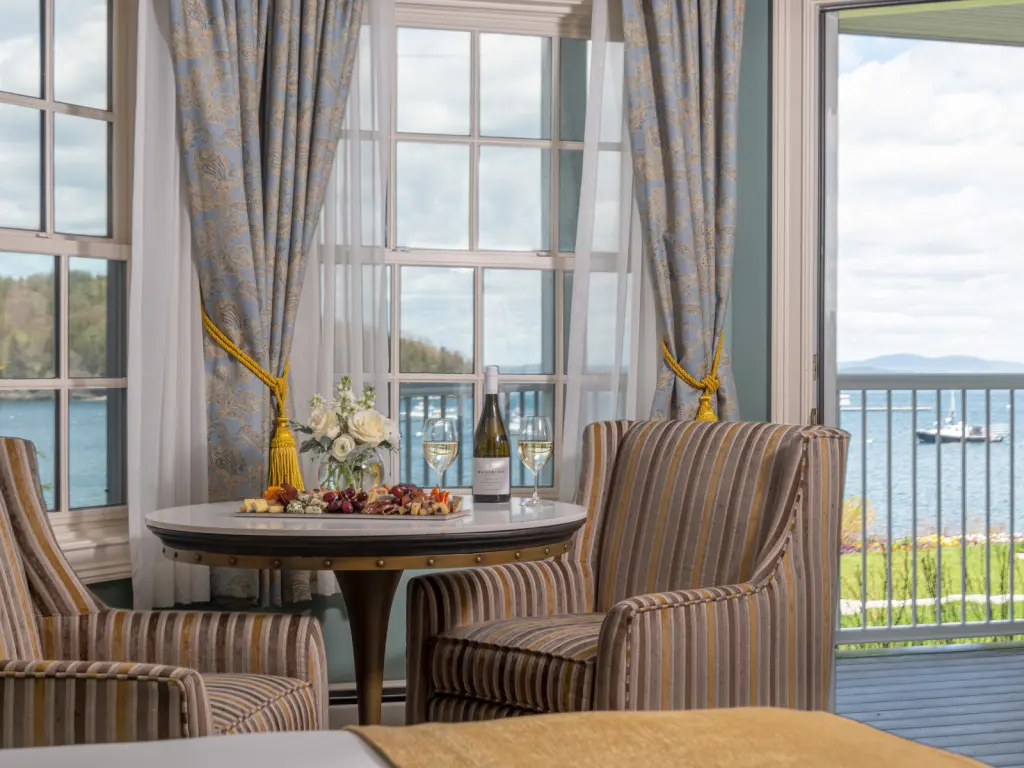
(535, 447)
(441, 445)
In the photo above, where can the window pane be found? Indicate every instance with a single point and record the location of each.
(21, 191)
(28, 319)
(515, 86)
(519, 320)
(574, 88)
(607, 205)
(433, 81)
(21, 68)
(32, 414)
(417, 402)
(81, 52)
(80, 175)
(437, 320)
(521, 400)
(433, 195)
(514, 193)
(97, 298)
(97, 442)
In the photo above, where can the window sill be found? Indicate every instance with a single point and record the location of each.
(95, 543)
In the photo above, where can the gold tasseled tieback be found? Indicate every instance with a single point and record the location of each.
(284, 459)
(709, 384)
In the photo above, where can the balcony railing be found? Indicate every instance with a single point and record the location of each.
(419, 402)
(931, 530)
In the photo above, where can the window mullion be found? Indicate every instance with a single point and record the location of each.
(62, 472)
(474, 132)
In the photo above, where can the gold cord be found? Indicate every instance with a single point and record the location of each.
(284, 459)
(709, 384)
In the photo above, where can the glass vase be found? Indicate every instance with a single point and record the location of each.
(360, 474)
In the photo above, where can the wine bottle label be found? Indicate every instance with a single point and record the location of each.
(491, 476)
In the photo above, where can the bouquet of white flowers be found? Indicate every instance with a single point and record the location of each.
(347, 434)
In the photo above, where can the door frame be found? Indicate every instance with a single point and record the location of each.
(799, 66)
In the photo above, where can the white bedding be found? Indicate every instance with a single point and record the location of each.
(319, 749)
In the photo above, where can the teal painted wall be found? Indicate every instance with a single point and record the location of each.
(750, 321)
(116, 594)
(751, 286)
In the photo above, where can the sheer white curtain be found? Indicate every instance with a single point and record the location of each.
(609, 373)
(342, 325)
(166, 386)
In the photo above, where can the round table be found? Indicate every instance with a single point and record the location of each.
(367, 555)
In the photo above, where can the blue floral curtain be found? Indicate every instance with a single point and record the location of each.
(682, 78)
(261, 90)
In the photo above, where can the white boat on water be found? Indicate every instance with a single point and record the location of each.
(954, 431)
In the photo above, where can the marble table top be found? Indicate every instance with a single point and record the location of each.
(221, 519)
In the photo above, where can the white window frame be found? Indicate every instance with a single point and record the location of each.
(94, 540)
(565, 19)
(800, 119)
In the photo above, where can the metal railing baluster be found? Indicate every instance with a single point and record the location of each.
(1013, 481)
(938, 507)
(864, 507)
(888, 505)
(913, 509)
(988, 505)
(963, 509)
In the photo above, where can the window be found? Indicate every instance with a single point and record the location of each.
(65, 155)
(488, 148)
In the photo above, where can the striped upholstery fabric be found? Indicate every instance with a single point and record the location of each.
(54, 703)
(264, 672)
(55, 588)
(260, 703)
(19, 636)
(459, 709)
(711, 553)
(712, 495)
(438, 602)
(545, 664)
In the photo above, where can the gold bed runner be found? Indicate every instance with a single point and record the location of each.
(722, 738)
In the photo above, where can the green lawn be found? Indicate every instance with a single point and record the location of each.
(851, 578)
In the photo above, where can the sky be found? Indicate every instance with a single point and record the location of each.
(930, 195)
(80, 144)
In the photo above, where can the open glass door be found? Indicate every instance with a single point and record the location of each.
(922, 359)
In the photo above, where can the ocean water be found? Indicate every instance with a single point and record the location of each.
(943, 488)
(35, 420)
(925, 497)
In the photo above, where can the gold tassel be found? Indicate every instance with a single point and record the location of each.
(709, 384)
(284, 459)
(705, 412)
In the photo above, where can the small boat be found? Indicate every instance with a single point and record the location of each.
(954, 431)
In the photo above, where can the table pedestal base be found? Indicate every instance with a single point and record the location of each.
(368, 597)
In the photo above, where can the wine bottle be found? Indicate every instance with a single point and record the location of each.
(491, 452)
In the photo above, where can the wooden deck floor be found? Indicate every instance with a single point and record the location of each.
(969, 701)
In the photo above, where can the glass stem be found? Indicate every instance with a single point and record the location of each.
(536, 494)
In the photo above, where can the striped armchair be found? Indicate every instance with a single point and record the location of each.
(705, 576)
(73, 670)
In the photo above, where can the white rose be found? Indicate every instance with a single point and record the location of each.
(319, 421)
(391, 431)
(333, 425)
(367, 426)
(342, 447)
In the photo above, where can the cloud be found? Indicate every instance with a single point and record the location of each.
(930, 189)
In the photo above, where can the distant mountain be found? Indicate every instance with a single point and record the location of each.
(903, 363)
